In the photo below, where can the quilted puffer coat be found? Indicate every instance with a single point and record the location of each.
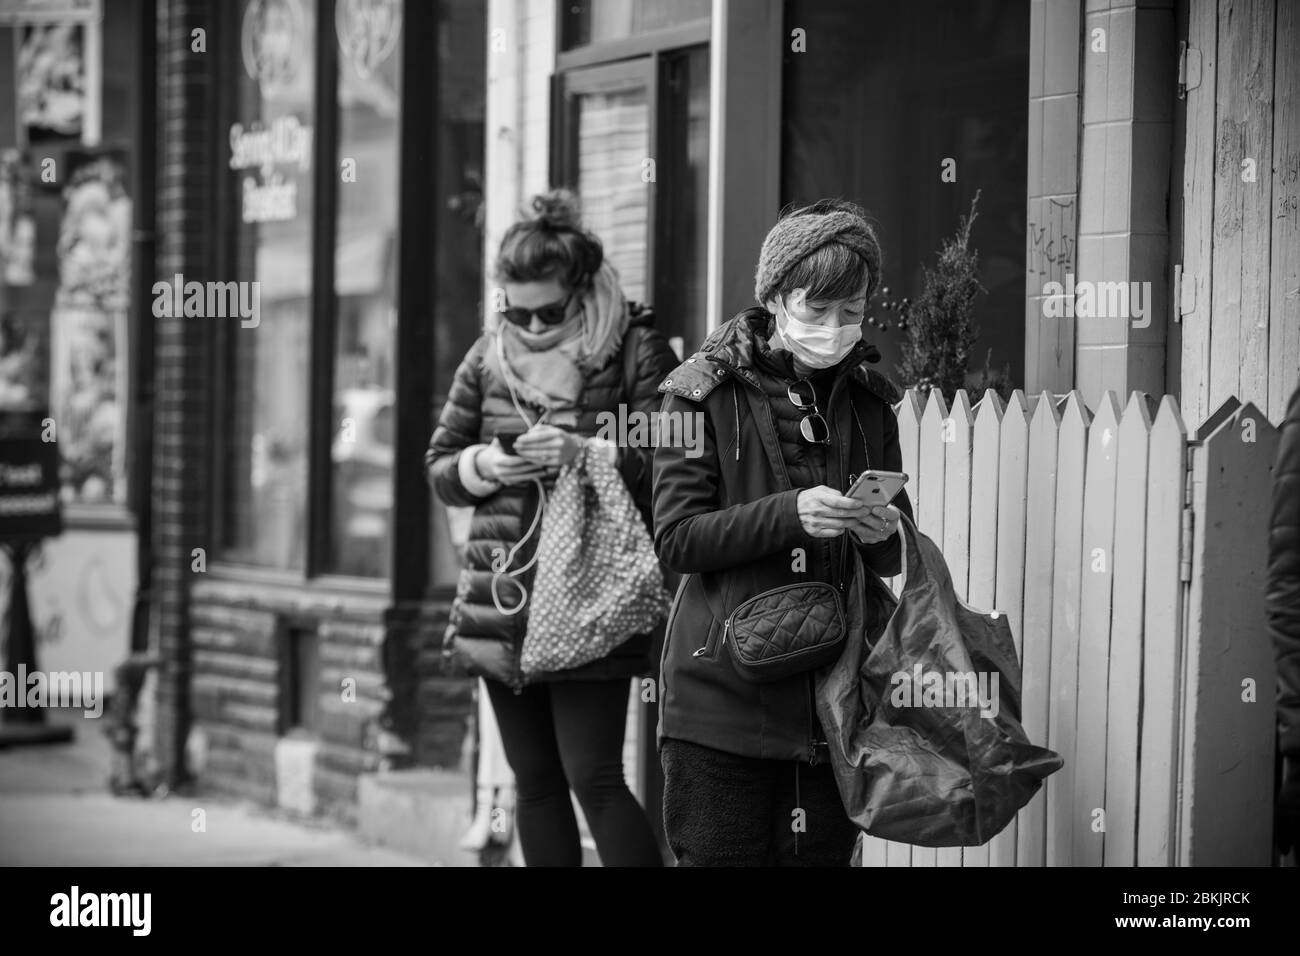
(728, 521)
(480, 639)
(1283, 595)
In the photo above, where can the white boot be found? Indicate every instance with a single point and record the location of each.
(480, 834)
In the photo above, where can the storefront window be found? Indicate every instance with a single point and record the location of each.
(270, 156)
(598, 21)
(365, 287)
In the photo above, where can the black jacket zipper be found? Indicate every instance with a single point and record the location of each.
(700, 652)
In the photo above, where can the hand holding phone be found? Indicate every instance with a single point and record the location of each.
(499, 461)
(877, 487)
(506, 439)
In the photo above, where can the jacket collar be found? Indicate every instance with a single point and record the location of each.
(731, 350)
(742, 344)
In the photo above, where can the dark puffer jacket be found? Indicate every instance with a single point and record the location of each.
(479, 638)
(728, 520)
(1283, 596)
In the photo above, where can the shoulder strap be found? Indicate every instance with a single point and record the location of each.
(631, 365)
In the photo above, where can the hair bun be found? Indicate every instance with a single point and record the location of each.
(557, 209)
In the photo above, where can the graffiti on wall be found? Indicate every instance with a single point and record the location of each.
(1052, 239)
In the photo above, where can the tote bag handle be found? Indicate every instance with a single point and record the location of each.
(921, 561)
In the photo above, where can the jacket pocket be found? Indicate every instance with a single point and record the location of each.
(712, 646)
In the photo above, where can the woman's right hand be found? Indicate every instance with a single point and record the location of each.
(495, 464)
(825, 513)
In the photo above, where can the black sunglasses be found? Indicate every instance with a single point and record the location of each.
(812, 426)
(552, 314)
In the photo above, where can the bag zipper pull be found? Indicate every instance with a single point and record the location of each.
(701, 651)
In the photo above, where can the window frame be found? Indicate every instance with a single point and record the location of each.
(611, 65)
(690, 33)
(414, 297)
(640, 72)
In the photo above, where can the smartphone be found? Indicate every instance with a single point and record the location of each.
(507, 439)
(877, 487)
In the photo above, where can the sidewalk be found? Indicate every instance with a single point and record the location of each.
(55, 810)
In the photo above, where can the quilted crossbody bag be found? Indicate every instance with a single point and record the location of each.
(785, 631)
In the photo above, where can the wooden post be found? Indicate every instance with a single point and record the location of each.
(1098, 558)
(983, 547)
(1013, 457)
(1228, 712)
(1239, 322)
(1063, 815)
(1161, 638)
(955, 542)
(1036, 646)
(1284, 270)
(1198, 213)
(1124, 681)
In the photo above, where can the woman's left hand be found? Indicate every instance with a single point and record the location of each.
(880, 522)
(548, 445)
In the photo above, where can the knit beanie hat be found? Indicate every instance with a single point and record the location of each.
(802, 233)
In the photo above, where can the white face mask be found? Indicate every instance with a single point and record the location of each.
(817, 346)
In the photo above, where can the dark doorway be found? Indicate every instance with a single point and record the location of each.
(884, 93)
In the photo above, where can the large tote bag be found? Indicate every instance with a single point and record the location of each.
(924, 723)
(598, 580)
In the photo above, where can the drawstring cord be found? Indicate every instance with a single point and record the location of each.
(735, 403)
(502, 568)
(865, 456)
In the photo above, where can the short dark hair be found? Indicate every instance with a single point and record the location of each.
(834, 271)
(549, 242)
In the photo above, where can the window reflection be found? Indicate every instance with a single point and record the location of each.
(270, 157)
(613, 146)
(369, 95)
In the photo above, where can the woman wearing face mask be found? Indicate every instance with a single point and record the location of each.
(565, 348)
(791, 415)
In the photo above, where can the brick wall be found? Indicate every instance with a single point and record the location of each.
(240, 679)
(235, 695)
(184, 207)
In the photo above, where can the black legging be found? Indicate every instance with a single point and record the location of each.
(569, 734)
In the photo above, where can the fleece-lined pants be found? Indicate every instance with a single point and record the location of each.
(721, 809)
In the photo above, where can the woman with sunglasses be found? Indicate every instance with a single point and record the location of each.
(791, 417)
(564, 347)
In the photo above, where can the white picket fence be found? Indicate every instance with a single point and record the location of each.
(1130, 560)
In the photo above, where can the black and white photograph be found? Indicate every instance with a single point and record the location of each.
(515, 434)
